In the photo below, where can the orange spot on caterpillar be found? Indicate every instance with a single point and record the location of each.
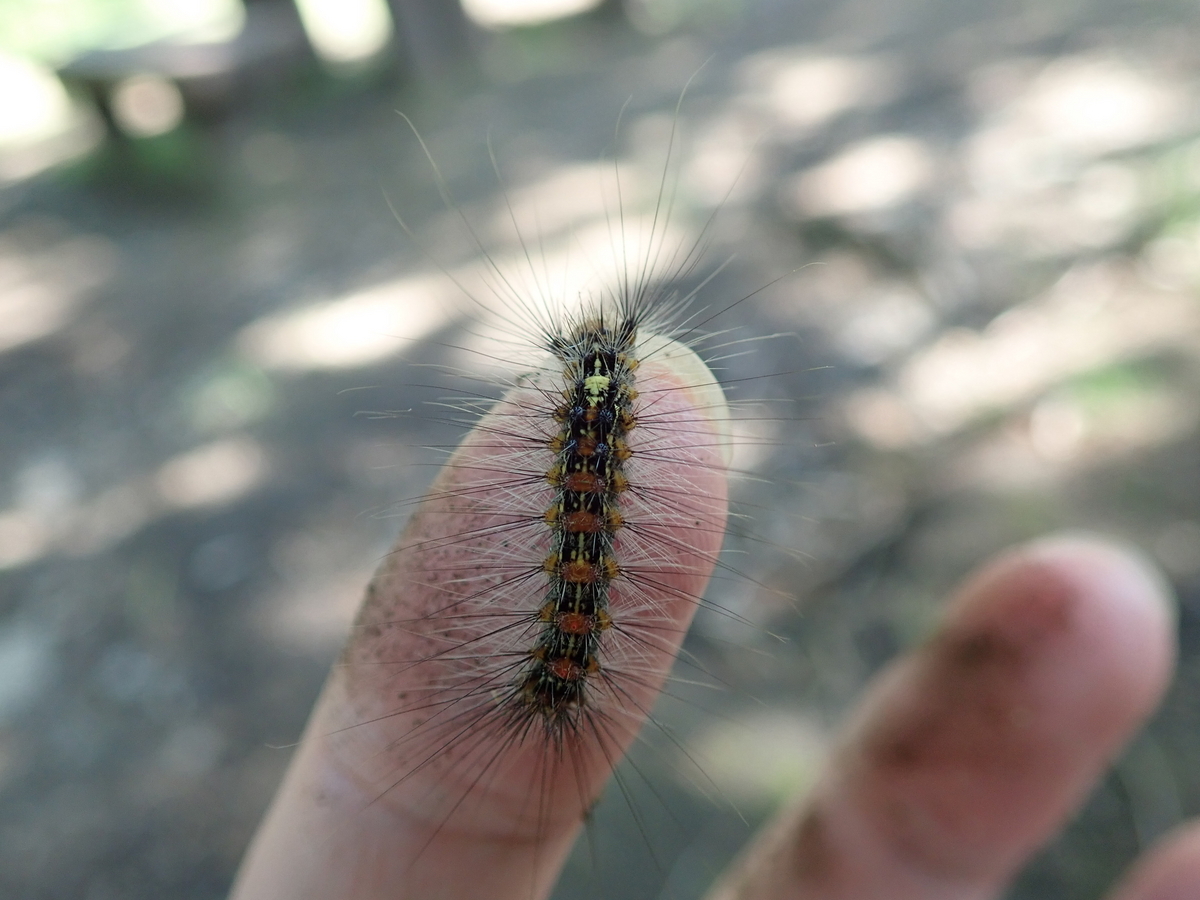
(585, 482)
(582, 523)
(579, 571)
(567, 669)
(575, 623)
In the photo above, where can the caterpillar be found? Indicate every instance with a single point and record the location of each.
(511, 647)
(554, 585)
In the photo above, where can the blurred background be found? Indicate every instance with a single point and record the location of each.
(978, 229)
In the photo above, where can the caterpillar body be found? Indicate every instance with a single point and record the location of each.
(588, 479)
(549, 623)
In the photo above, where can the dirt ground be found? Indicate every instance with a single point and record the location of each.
(976, 227)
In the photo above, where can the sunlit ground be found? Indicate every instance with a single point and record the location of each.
(983, 229)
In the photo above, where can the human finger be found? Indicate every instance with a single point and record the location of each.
(970, 753)
(1168, 871)
(433, 766)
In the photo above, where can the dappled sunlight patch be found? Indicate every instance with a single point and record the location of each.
(585, 228)
(33, 103)
(31, 311)
(760, 760)
(1048, 168)
(359, 329)
(147, 105)
(887, 321)
(726, 165)
(1093, 105)
(497, 14)
(1172, 260)
(40, 125)
(870, 315)
(599, 258)
(111, 516)
(1061, 437)
(562, 198)
(1057, 427)
(804, 88)
(1095, 314)
(214, 474)
(880, 417)
(42, 288)
(346, 32)
(1099, 207)
(870, 176)
(23, 538)
(45, 492)
(49, 515)
(28, 534)
(1075, 110)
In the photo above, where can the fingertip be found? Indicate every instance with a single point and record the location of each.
(975, 749)
(1104, 604)
(1170, 871)
(969, 753)
(692, 375)
(1121, 567)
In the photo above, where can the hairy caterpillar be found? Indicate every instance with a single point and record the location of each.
(512, 645)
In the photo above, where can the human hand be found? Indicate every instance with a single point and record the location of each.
(965, 757)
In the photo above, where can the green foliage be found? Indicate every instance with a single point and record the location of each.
(52, 31)
(1103, 388)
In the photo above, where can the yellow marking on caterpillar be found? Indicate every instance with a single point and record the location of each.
(595, 386)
